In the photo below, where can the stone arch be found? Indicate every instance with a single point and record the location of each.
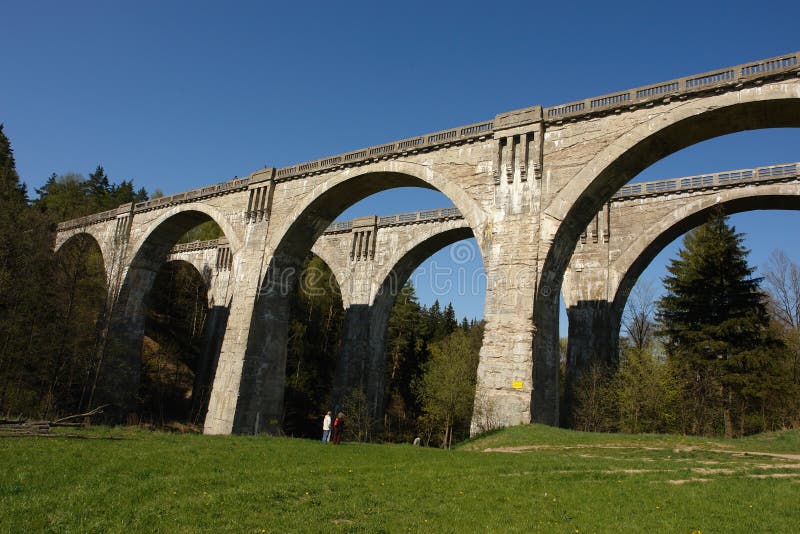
(121, 365)
(376, 314)
(630, 265)
(326, 255)
(191, 335)
(769, 106)
(261, 383)
(177, 221)
(87, 234)
(203, 270)
(328, 199)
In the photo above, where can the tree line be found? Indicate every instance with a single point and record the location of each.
(50, 304)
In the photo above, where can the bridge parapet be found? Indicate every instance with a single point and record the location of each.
(461, 134)
(237, 184)
(94, 218)
(399, 219)
(732, 77)
(713, 180)
(717, 80)
(199, 245)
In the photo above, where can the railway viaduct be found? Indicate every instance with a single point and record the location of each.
(527, 183)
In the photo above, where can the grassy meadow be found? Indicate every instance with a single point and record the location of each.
(523, 479)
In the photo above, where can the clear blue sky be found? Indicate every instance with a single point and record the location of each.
(175, 95)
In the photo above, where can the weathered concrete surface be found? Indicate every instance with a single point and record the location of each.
(527, 184)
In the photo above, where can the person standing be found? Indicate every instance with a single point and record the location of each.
(338, 428)
(326, 427)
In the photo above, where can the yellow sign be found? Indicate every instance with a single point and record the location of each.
(516, 384)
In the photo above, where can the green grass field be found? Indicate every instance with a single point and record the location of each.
(538, 479)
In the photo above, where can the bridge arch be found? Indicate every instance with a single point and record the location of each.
(330, 198)
(171, 224)
(390, 282)
(772, 105)
(87, 236)
(632, 263)
(336, 268)
(121, 366)
(260, 399)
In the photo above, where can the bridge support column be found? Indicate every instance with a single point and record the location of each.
(362, 360)
(593, 335)
(505, 381)
(216, 323)
(247, 392)
(119, 365)
(546, 395)
(355, 357)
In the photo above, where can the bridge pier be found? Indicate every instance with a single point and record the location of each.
(362, 359)
(592, 341)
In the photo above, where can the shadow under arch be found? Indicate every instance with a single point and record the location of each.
(317, 308)
(178, 313)
(121, 353)
(83, 241)
(646, 248)
(261, 384)
(606, 173)
(79, 304)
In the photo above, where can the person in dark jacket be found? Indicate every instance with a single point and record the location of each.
(338, 428)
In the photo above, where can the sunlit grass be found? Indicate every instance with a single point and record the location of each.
(565, 482)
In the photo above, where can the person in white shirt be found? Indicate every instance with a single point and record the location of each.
(326, 427)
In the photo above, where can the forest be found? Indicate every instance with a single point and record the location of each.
(718, 354)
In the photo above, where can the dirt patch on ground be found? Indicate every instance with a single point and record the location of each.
(526, 448)
(751, 464)
(678, 482)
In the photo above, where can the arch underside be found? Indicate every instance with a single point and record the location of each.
(123, 346)
(644, 256)
(605, 174)
(260, 401)
(363, 362)
(84, 240)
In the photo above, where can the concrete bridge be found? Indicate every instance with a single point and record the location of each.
(372, 257)
(527, 183)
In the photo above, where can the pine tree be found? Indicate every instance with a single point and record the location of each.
(716, 325)
(99, 188)
(11, 190)
(25, 317)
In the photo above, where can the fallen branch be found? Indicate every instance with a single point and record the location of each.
(59, 422)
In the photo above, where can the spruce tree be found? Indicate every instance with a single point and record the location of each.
(716, 326)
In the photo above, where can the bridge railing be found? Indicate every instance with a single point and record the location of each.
(419, 216)
(198, 245)
(374, 153)
(193, 194)
(633, 97)
(701, 181)
(689, 84)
